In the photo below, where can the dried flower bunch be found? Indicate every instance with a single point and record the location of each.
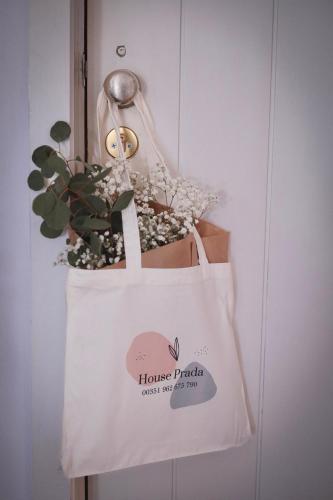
(90, 205)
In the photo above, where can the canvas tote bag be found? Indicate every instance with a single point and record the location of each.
(151, 371)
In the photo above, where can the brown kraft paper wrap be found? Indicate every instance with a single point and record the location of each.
(182, 253)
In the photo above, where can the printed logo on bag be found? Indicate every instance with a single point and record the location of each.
(152, 360)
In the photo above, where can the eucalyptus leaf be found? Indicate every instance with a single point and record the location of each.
(65, 196)
(59, 188)
(58, 218)
(99, 224)
(41, 155)
(97, 167)
(95, 244)
(78, 222)
(116, 222)
(48, 232)
(72, 258)
(59, 166)
(47, 170)
(102, 175)
(35, 180)
(89, 168)
(80, 183)
(43, 204)
(79, 208)
(97, 205)
(86, 223)
(60, 131)
(123, 201)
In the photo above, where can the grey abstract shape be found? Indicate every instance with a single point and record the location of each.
(189, 396)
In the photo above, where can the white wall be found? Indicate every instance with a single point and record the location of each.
(49, 101)
(15, 273)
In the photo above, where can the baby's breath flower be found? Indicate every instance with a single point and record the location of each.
(185, 203)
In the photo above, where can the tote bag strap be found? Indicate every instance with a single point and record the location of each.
(148, 125)
(129, 216)
(203, 261)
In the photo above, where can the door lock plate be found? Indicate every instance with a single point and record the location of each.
(129, 140)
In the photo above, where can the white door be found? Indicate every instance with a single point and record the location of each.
(250, 76)
(205, 69)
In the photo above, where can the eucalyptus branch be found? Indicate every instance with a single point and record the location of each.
(97, 240)
(66, 161)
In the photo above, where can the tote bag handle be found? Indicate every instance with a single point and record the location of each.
(129, 215)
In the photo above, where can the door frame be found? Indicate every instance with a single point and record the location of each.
(78, 143)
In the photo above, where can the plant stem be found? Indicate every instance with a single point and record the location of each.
(67, 162)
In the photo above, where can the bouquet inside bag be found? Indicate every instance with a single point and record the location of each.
(86, 200)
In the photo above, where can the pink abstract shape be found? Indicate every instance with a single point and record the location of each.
(149, 357)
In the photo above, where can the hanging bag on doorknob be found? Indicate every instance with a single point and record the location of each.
(181, 253)
(152, 370)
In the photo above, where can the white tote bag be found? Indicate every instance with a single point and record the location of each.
(152, 371)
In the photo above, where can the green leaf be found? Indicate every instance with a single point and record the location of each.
(116, 222)
(80, 183)
(48, 232)
(43, 204)
(79, 208)
(99, 224)
(97, 168)
(59, 217)
(97, 205)
(84, 223)
(59, 166)
(47, 170)
(78, 222)
(123, 201)
(95, 244)
(65, 196)
(59, 188)
(35, 180)
(72, 258)
(60, 131)
(89, 168)
(102, 175)
(41, 155)
(93, 168)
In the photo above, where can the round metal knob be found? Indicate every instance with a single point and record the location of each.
(121, 86)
